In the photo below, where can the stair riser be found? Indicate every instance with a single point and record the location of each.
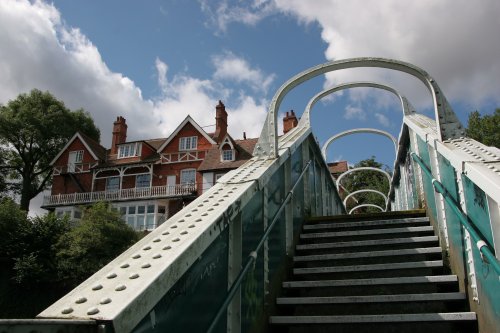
(331, 239)
(334, 250)
(371, 290)
(369, 274)
(369, 260)
(420, 327)
(377, 308)
(358, 226)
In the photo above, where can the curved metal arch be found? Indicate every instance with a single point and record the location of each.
(448, 125)
(361, 169)
(355, 131)
(366, 205)
(364, 191)
(405, 104)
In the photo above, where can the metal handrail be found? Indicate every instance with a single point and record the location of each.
(455, 207)
(252, 257)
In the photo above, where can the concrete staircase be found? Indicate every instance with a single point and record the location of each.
(371, 273)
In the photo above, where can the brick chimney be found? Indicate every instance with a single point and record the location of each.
(220, 122)
(289, 121)
(119, 134)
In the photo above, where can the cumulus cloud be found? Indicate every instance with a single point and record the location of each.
(233, 68)
(353, 112)
(455, 41)
(44, 53)
(382, 119)
(222, 13)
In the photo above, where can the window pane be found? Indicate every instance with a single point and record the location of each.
(141, 209)
(142, 180)
(131, 209)
(151, 208)
(161, 209)
(112, 183)
(123, 210)
(227, 155)
(188, 176)
(150, 221)
(131, 221)
(140, 222)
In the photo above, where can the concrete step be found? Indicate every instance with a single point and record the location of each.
(372, 245)
(416, 221)
(418, 268)
(368, 234)
(374, 304)
(456, 322)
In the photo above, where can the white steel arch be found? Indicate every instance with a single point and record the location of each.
(366, 205)
(365, 191)
(328, 142)
(362, 169)
(447, 123)
(405, 104)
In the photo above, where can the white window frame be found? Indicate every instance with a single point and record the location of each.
(224, 153)
(188, 143)
(182, 177)
(129, 150)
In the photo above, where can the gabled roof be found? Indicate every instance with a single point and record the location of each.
(97, 151)
(186, 120)
(213, 161)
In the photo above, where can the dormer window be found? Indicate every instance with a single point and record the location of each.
(188, 143)
(227, 152)
(129, 150)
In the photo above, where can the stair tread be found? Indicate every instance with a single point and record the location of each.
(372, 267)
(335, 225)
(382, 318)
(372, 298)
(366, 232)
(368, 282)
(371, 254)
(390, 241)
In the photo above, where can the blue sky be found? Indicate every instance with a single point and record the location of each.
(155, 61)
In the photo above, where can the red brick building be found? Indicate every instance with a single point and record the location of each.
(147, 181)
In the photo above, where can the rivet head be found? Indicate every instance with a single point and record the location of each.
(198, 220)
(166, 233)
(191, 226)
(125, 265)
(111, 275)
(168, 247)
(184, 233)
(156, 240)
(147, 248)
(173, 227)
(146, 265)
(92, 311)
(175, 240)
(80, 300)
(133, 276)
(67, 310)
(136, 256)
(157, 256)
(97, 287)
(106, 300)
(120, 287)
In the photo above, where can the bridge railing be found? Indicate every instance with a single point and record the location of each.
(458, 182)
(176, 278)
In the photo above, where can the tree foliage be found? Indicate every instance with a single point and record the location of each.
(34, 127)
(99, 237)
(485, 129)
(367, 179)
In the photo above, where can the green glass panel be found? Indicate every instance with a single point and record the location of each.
(477, 209)
(427, 181)
(252, 287)
(193, 301)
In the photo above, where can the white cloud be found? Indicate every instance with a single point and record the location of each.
(455, 41)
(352, 112)
(161, 69)
(382, 119)
(230, 67)
(222, 13)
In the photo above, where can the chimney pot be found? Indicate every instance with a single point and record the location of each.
(119, 133)
(220, 122)
(289, 121)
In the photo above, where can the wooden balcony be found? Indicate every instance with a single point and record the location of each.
(73, 168)
(183, 156)
(145, 193)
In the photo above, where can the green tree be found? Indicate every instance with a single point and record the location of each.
(12, 223)
(485, 129)
(34, 127)
(368, 179)
(100, 236)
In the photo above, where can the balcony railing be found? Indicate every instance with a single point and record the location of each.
(73, 168)
(121, 195)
